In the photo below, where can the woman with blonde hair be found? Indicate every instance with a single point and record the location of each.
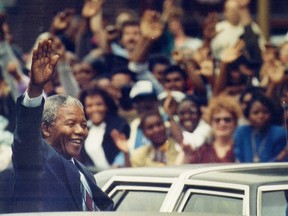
(223, 115)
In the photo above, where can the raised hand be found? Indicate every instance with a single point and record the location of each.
(276, 72)
(244, 3)
(178, 56)
(207, 68)
(231, 54)
(120, 141)
(60, 22)
(168, 7)
(92, 7)
(168, 104)
(151, 25)
(43, 65)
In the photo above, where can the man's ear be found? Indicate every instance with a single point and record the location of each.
(46, 132)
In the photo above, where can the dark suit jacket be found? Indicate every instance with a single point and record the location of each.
(44, 180)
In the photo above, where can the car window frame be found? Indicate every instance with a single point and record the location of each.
(139, 182)
(190, 191)
(267, 188)
(172, 199)
(137, 179)
(129, 189)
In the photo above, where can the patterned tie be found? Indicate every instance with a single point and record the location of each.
(88, 199)
(88, 203)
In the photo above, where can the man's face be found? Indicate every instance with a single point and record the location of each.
(69, 131)
(188, 115)
(158, 72)
(130, 37)
(154, 129)
(174, 82)
(117, 82)
(231, 12)
(83, 73)
(174, 26)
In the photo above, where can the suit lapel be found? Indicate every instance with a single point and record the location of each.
(73, 177)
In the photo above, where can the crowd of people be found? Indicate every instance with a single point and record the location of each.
(157, 89)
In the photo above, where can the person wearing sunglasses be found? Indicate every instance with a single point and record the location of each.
(223, 115)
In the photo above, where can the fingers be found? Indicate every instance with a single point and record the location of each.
(34, 55)
(43, 54)
(151, 16)
(240, 45)
(43, 50)
(53, 62)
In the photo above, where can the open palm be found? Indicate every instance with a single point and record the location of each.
(43, 64)
(232, 53)
(151, 25)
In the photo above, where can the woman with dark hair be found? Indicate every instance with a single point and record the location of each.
(99, 150)
(261, 140)
(196, 131)
(245, 96)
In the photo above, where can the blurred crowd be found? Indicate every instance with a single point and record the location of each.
(160, 88)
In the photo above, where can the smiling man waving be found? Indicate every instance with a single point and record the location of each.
(47, 177)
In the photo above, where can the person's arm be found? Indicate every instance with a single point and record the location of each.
(174, 126)
(275, 74)
(244, 11)
(61, 21)
(27, 147)
(42, 69)
(151, 29)
(8, 56)
(104, 36)
(282, 156)
(167, 9)
(83, 40)
(195, 77)
(21, 80)
(228, 56)
(66, 76)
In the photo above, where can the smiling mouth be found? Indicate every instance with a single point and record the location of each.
(77, 142)
(187, 123)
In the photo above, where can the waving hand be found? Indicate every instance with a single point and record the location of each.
(43, 65)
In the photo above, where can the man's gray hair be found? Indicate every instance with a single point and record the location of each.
(54, 103)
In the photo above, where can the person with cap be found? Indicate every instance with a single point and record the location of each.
(144, 99)
(165, 140)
